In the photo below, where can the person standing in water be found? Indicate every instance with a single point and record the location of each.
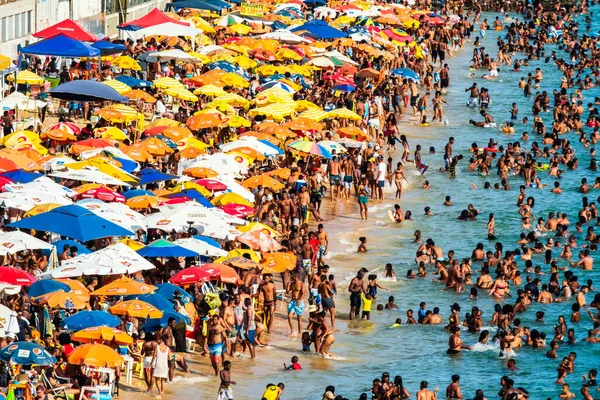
(225, 392)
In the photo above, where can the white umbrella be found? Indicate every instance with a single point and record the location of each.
(57, 163)
(322, 62)
(89, 174)
(284, 36)
(43, 185)
(339, 56)
(118, 213)
(253, 143)
(25, 201)
(351, 143)
(201, 247)
(114, 259)
(224, 20)
(15, 241)
(235, 187)
(167, 55)
(10, 325)
(331, 145)
(223, 164)
(21, 102)
(211, 49)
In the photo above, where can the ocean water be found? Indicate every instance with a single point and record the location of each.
(365, 349)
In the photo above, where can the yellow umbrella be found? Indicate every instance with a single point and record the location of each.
(245, 62)
(229, 198)
(164, 122)
(77, 287)
(257, 226)
(167, 83)
(133, 244)
(118, 113)
(40, 209)
(288, 54)
(126, 62)
(88, 186)
(233, 99)
(110, 132)
(21, 137)
(136, 308)
(95, 355)
(251, 254)
(241, 29)
(117, 85)
(177, 133)
(94, 333)
(124, 286)
(29, 78)
(210, 90)
(138, 94)
(142, 202)
(191, 142)
(180, 187)
(344, 113)
(275, 111)
(264, 181)
(105, 166)
(278, 262)
(191, 152)
(314, 114)
(303, 105)
(221, 106)
(4, 62)
(181, 93)
(232, 79)
(236, 121)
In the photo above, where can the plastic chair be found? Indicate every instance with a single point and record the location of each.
(59, 391)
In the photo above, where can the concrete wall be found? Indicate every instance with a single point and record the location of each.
(20, 11)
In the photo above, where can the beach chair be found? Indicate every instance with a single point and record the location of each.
(59, 391)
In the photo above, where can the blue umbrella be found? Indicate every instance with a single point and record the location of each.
(155, 299)
(154, 324)
(167, 141)
(319, 30)
(46, 286)
(81, 249)
(108, 48)
(267, 143)
(149, 175)
(209, 240)
(164, 248)
(406, 73)
(133, 82)
(168, 290)
(194, 195)
(26, 353)
(73, 221)
(21, 176)
(137, 192)
(86, 91)
(223, 65)
(345, 88)
(127, 165)
(86, 319)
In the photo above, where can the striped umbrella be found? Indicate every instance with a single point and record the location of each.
(309, 147)
(117, 85)
(181, 93)
(167, 83)
(344, 113)
(315, 114)
(275, 111)
(64, 126)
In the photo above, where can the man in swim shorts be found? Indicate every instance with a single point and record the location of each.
(296, 291)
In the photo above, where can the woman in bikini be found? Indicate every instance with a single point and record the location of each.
(398, 176)
(500, 287)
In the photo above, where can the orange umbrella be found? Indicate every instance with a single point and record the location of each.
(138, 94)
(138, 153)
(136, 308)
(162, 192)
(177, 133)
(259, 240)
(141, 202)
(156, 147)
(281, 173)
(265, 125)
(77, 287)
(94, 333)
(280, 132)
(7, 165)
(264, 181)
(352, 132)
(123, 286)
(202, 121)
(278, 262)
(303, 124)
(226, 274)
(191, 152)
(33, 154)
(200, 172)
(61, 299)
(250, 152)
(22, 161)
(59, 135)
(95, 355)
(241, 262)
(262, 136)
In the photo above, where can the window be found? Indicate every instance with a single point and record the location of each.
(133, 3)
(3, 35)
(24, 30)
(10, 30)
(29, 27)
(17, 26)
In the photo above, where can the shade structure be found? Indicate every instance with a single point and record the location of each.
(102, 193)
(26, 353)
(74, 222)
(164, 248)
(95, 355)
(191, 275)
(154, 17)
(123, 286)
(68, 28)
(15, 276)
(137, 192)
(259, 240)
(133, 82)
(61, 46)
(21, 176)
(46, 286)
(86, 319)
(101, 333)
(154, 324)
(308, 147)
(149, 175)
(200, 247)
(86, 91)
(136, 308)
(62, 299)
(159, 301)
(81, 249)
(195, 4)
(171, 292)
(193, 195)
(319, 29)
(108, 48)
(406, 73)
(13, 242)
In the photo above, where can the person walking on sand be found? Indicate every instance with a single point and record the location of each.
(160, 361)
(295, 289)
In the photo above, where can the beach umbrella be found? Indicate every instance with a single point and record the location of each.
(333, 146)
(171, 292)
(202, 121)
(95, 355)
(200, 247)
(150, 175)
(138, 152)
(241, 262)
(192, 194)
(40, 209)
(156, 300)
(16, 276)
(177, 133)
(238, 210)
(164, 248)
(110, 132)
(135, 308)
(192, 275)
(123, 286)
(212, 184)
(26, 353)
(264, 181)
(302, 124)
(86, 90)
(278, 262)
(70, 127)
(45, 286)
(59, 135)
(210, 90)
(258, 226)
(74, 222)
(13, 242)
(133, 82)
(167, 82)
(21, 176)
(137, 192)
(119, 86)
(200, 172)
(344, 113)
(228, 198)
(406, 73)
(94, 333)
(231, 79)
(86, 319)
(223, 273)
(352, 132)
(142, 202)
(137, 94)
(314, 114)
(235, 121)
(125, 62)
(350, 143)
(102, 193)
(259, 240)
(181, 93)
(309, 147)
(29, 78)
(155, 324)
(61, 299)
(76, 287)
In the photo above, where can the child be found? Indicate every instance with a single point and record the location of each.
(332, 284)
(226, 382)
(305, 343)
(473, 294)
(362, 247)
(409, 317)
(397, 323)
(295, 365)
(367, 301)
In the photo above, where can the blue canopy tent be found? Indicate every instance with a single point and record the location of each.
(195, 4)
(107, 48)
(86, 91)
(134, 82)
(61, 46)
(319, 30)
(74, 222)
(149, 175)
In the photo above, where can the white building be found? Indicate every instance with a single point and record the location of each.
(19, 19)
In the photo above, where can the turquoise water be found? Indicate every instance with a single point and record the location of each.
(365, 349)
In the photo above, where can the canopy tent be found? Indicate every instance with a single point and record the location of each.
(61, 46)
(68, 28)
(154, 17)
(172, 54)
(108, 48)
(196, 4)
(86, 91)
(319, 30)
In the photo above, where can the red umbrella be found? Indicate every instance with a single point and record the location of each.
(212, 184)
(64, 126)
(175, 200)
(238, 210)
(102, 193)
(191, 275)
(16, 276)
(156, 130)
(4, 181)
(96, 143)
